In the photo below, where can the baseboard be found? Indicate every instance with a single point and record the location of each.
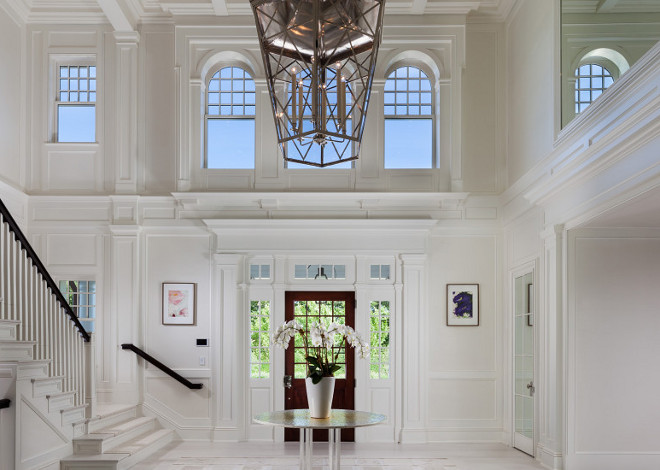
(427, 435)
(549, 458)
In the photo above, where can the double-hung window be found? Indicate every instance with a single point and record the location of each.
(230, 120)
(76, 103)
(408, 101)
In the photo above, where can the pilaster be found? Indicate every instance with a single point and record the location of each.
(226, 305)
(413, 343)
(126, 106)
(551, 390)
(124, 312)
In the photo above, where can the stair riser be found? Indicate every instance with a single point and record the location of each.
(16, 352)
(8, 332)
(145, 452)
(72, 415)
(32, 370)
(41, 388)
(101, 446)
(56, 403)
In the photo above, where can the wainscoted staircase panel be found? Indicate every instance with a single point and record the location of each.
(117, 440)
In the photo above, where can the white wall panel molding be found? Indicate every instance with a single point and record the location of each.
(229, 369)
(595, 298)
(17, 202)
(126, 107)
(329, 235)
(414, 365)
(125, 288)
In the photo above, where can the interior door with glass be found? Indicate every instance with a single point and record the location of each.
(306, 308)
(523, 406)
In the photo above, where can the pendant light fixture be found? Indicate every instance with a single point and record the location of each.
(319, 57)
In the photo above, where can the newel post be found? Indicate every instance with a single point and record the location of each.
(90, 376)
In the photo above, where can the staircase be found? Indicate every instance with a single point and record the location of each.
(117, 439)
(47, 377)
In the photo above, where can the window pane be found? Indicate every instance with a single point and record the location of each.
(408, 143)
(76, 123)
(230, 143)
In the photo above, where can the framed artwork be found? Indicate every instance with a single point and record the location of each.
(462, 304)
(179, 303)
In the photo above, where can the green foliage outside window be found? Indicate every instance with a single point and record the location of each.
(260, 339)
(379, 364)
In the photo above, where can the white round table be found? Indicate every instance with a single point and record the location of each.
(338, 420)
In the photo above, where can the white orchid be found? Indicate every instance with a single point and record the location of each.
(323, 338)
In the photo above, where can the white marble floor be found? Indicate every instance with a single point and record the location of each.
(277, 456)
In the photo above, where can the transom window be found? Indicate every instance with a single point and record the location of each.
(230, 120)
(76, 103)
(81, 296)
(408, 110)
(591, 81)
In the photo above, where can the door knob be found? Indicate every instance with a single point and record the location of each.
(288, 381)
(531, 388)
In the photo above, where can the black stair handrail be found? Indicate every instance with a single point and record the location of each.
(161, 366)
(4, 403)
(30, 253)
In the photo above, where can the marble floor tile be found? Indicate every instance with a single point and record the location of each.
(195, 455)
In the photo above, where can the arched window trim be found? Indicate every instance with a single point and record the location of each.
(210, 72)
(610, 59)
(432, 75)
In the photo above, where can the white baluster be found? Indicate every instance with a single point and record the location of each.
(3, 263)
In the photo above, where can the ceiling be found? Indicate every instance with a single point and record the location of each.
(125, 15)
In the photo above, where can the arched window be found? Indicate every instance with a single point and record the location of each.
(408, 101)
(590, 82)
(229, 120)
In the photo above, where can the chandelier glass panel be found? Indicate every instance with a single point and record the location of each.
(319, 57)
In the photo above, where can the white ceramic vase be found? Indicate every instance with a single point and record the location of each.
(319, 396)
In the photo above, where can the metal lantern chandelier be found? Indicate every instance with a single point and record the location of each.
(319, 57)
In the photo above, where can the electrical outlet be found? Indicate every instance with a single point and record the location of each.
(202, 360)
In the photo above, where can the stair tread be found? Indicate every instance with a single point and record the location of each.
(46, 379)
(140, 442)
(61, 394)
(14, 322)
(96, 457)
(115, 429)
(14, 342)
(127, 425)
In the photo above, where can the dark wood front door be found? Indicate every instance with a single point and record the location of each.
(308, 307)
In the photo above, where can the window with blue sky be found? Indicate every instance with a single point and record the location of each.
(76, 103)
(408, 107)
(229, 120)
(591, 80)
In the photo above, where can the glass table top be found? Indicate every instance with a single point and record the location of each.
(338, 419)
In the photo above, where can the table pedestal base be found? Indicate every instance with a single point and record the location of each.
(334, 448)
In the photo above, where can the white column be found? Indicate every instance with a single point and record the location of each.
(126, 106)
(550, 422)
(124, 313)
(413, 343)
(228, 347)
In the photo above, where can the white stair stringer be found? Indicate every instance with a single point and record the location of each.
(40, 406)
(117, 441)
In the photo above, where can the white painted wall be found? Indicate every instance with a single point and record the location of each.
(483, 103)
(11, 61)
(530, 47)
(613, 417)
(464, 364)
